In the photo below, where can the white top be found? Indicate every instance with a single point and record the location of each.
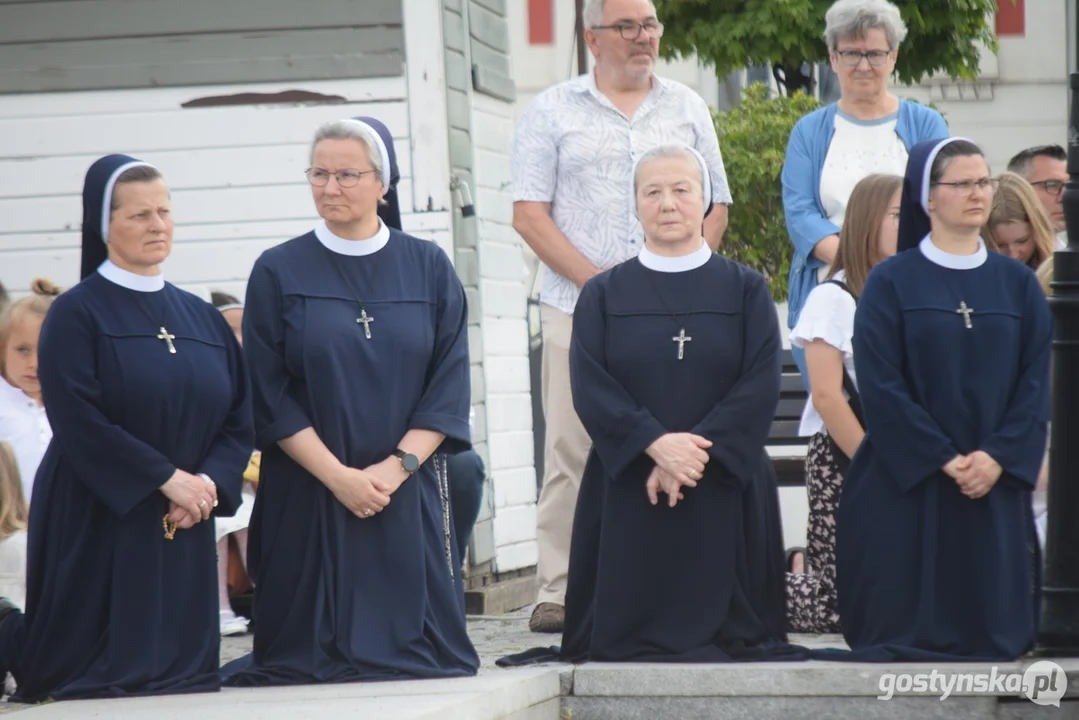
(678, 263)
(575, 150)
(132, 281)
(858, 148)
(1062, 240)
(828, 315)
(24, 424)
(13, 569)
(356, 248)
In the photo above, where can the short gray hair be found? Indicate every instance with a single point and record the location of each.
(350, 130)
(593, 12)
(852, 19)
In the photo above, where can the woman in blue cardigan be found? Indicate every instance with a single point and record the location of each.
(869, 130)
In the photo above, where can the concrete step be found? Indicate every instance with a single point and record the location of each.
(523, 694)
(802, 691)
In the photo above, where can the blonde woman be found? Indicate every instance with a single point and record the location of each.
(832, 420)
(1018, 224)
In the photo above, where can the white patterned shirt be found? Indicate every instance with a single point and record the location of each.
(574, 149)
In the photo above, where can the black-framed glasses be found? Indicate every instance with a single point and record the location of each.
(969, 186)
(876, 58)
(633, 30)
(345, 178)
(1051, 187)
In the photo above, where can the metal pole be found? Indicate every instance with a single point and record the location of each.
(582, 47)
(1058, 634)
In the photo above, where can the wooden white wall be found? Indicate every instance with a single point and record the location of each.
(236, 172)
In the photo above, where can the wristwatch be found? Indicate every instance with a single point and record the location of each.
(409, 462)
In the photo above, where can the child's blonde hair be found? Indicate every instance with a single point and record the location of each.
(36, 305)
(14, 513)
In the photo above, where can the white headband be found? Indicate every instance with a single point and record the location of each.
(231, 306)
(383, 152)
(928, 170)
(106, 202)
(706, 178)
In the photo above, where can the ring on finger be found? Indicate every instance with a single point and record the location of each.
(202, 503)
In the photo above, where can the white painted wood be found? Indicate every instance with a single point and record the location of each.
(82, 104)
(515, 557)
(425, 72)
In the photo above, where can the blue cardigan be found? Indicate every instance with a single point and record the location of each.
(807, 223)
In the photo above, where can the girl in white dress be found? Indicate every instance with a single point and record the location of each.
(22, 412)
(831, 419)
(236, 526)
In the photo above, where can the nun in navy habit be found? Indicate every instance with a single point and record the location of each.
(356, 336)
(677, 549)
(145, 390)
(937, 556)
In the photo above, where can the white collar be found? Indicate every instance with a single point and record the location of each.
(341, 246)
(16, 397)
(678, 263)
(953, 262)
(132, 281)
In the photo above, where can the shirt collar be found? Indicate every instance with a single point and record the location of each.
(937, 256)
(14, 395)
(586, 82)
(341, 246)
(679, 263)
(132, 281)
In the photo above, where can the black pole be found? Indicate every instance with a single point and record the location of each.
(1058, 634)
(582, 46)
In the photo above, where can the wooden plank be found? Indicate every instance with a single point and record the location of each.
(189, 60)
(427, 122)
(453, 30)
(489, 28)
(183, 169)
(498, 7)
(490, 59)
(93, 103)
(230, 205)
(491, 82)
(90, 19)
(249, 126)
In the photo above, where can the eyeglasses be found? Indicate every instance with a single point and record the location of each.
(632, 30)
(968, 186)
(876, 58)
(1051, 187)
(345, 178)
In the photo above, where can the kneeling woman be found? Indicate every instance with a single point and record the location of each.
(145, 390)
(357, 339)
(936, 551)
(675, 370)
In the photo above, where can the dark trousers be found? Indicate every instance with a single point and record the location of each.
(466, 475)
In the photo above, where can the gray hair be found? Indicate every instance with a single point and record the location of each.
(350, 130)
(852, 19)
(593, 12)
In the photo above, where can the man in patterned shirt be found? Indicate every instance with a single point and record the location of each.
(573, 154)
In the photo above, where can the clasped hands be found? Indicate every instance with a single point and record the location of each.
(975, 474)
(680, 460)
(191, 499)
(367, 492)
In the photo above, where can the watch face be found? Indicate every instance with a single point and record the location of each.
(410, 462)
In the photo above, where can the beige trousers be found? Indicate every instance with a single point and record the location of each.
(565, 452)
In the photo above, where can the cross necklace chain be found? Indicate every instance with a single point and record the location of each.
(681, 338)
(162, 333)
(364, 319)
(966, 312)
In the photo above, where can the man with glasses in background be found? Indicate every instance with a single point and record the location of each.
(573, 158)
(1046, 168)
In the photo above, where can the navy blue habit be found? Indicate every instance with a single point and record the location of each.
(339, 598)
(924, 572)
(703, 581)
(113, 607)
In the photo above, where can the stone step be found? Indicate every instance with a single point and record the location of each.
(522, 694)
(802, 690)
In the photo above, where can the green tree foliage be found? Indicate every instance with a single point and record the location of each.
(943, 35)
(753, 137)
